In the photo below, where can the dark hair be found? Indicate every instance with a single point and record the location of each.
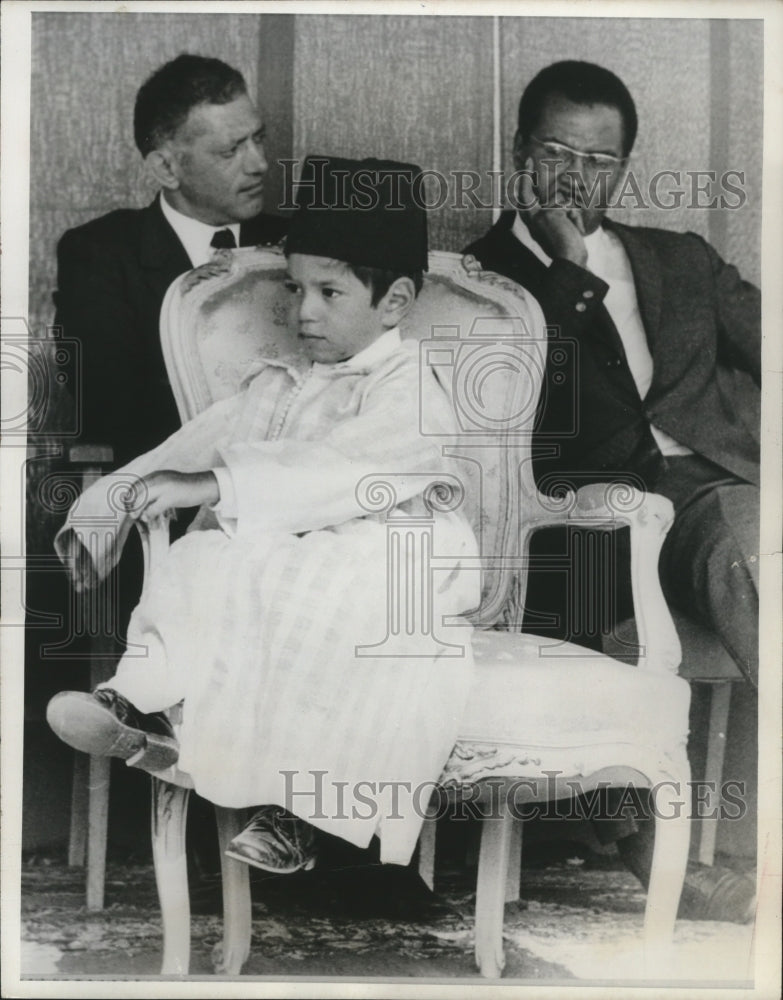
(166, 98)
(582, 83)
(379, 281)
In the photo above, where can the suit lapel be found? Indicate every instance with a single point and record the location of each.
(647, 278)
(528, 269)
(514, 259)
(263, 230)
(161, 254)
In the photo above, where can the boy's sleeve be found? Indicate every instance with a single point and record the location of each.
(98, 520)
(226, 507)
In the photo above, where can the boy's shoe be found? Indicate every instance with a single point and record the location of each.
(106, 724)
(276, 841)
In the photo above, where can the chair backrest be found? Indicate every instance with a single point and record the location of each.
(482, 335)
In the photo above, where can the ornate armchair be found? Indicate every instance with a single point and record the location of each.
(538, 717)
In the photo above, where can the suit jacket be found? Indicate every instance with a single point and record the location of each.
(112, 275)
(701, 320)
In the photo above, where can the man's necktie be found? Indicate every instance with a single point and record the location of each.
(223, 239)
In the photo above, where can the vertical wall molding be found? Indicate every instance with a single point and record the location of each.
(276, 98)
(720, 118)
(497, 124)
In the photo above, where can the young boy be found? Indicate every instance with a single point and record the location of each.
(255, 619)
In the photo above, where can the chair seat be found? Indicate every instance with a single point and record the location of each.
(518, 721)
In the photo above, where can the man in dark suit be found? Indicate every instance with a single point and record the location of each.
(659, 322)
(655, 325)
(202, 140)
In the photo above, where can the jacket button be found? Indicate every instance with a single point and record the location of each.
(588, 293)
(580, 307)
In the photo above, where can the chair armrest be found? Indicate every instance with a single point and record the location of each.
(649, 517)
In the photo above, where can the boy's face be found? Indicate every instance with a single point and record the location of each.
(334, 317)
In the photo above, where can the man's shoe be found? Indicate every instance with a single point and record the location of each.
(276, 841)
(713, 893)
(106, 724)
(708, 893)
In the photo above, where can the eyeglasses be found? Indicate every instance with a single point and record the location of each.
(593, 161)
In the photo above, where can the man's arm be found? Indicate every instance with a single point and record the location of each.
(738, 305)
(568, 293)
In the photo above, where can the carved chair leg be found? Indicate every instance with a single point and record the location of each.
(97, 830)
(497, 834)
(670, 858)
(237, 914)
(169, 818)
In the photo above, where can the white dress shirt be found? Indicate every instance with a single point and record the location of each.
(607, 260)
(194, 236)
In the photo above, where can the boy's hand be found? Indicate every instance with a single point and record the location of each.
(162, 491)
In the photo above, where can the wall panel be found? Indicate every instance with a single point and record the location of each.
(408, 88)
(744, 84)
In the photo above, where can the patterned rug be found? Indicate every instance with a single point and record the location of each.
(578, 919)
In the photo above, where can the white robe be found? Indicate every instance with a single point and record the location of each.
(254, 617)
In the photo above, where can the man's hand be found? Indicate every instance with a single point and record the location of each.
(158, 492)
(558, 229)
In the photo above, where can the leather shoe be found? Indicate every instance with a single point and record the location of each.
(715, 893)
(106, 724)
(708, 893)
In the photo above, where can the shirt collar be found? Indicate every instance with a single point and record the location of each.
(599, 250)
(371, 355)
(195, 236)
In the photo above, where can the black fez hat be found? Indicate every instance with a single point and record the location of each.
(368, 213)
